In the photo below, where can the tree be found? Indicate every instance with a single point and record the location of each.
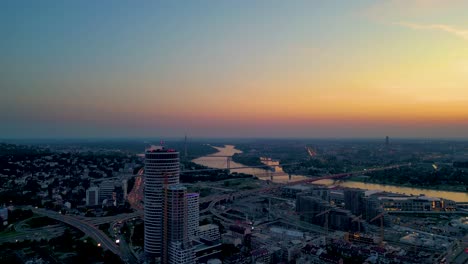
(111, 258)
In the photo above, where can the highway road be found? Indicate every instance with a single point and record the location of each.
(88, 225)
(87, 228)
(109, 219)
(22, 231)
(127, 252)
(136, 195)
(33, 234)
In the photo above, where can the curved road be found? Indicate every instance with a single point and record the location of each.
(88, 229)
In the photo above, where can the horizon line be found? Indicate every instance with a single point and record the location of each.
(172, 138)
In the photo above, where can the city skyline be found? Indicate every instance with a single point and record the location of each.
(225, 69)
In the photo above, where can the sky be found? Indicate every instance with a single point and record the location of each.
(234, 68)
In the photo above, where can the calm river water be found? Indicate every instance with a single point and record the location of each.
(228, 150)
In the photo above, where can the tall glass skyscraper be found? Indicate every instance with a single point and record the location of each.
(161, 170)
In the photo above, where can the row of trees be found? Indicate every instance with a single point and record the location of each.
(248, 160)
(85, 249)
(421, 176)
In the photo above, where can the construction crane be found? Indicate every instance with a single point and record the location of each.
(326, 219)
(381, 216)
(357, 219)
(185, 147)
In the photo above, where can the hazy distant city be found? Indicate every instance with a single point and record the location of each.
(234, 201)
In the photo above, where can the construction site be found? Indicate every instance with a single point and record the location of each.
(316, 224)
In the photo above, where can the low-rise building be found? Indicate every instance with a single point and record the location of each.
(240, 231)
(180, 254)
(261, 255)
(206, 250)
(209, 232)
(416, 204)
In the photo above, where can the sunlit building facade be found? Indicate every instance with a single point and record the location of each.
(417, 204)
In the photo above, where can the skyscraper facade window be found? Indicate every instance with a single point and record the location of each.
(193, 211)
(176, 244)
(161, 170)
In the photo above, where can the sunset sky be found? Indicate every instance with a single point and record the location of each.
(234, 68)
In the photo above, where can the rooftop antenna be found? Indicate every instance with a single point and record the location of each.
(185, 145)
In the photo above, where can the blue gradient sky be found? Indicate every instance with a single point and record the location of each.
(234, 68)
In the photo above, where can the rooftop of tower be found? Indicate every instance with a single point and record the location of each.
(177, 187)
(154, 148)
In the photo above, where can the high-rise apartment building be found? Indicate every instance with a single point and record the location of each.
(106, 188)
(176, 213)
(92, 196)
(176, 244)
(353, 199)
(209, 232)
(161, 170)
(193, 211)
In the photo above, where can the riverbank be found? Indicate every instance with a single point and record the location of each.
(203, 174)
(261, 173)
(450, 195)
(247, 160)
(449, 188)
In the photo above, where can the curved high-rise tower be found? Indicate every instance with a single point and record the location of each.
(161, 169)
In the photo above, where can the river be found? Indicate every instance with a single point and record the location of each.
(229, 150)
(455, 196)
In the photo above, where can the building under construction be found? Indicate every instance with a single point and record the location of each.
(319, 212)
(354, 201)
